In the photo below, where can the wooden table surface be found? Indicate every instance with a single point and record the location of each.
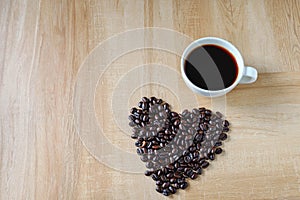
(45, 45)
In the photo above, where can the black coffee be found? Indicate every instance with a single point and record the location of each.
(211, 67)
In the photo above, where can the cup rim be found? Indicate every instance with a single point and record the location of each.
(237, 55)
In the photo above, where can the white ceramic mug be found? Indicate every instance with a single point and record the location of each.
(245, 74)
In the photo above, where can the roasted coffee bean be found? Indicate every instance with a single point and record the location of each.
(166, 106)
(184, 112)
(172, 189)
(180, 180)
(165, 184)
(205, 164)
(159, 172)
(131, 118)
(187, 159)
(219, 143)
(155, 177)
(211, 156)
(176, 185)
(193, 176)
(159, 101)
(170, 175)
(159, 189)
(223, 136)
(148, 173)
(196, 111)
(138, 143)
(225, 129)
(134, 136)
(225, 123)
(149, 164)
(178, 174)
(139, 151)
(183, 185)
(133, 110)
(131, 124)
(140, 104)
(218, 151)
(180, 169)
(166, 192)
(189, 172)
(144, 158)
(159, 182)
(145, 99)
(219, 115)
(173, 180)
(199, 171)
(163, 178)
(192, 148)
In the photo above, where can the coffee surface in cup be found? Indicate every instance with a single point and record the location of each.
(211, 67)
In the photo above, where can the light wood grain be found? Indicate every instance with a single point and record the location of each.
(42, 45)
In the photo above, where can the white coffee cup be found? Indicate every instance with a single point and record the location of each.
(245, 74)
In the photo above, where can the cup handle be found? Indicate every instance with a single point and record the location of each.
(249, 76)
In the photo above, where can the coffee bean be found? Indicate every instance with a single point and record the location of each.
(148, 173)
(196, 111)
(145, 99)
(219, 143)
(133, 110)
(165, 184)
(138, 143)
(166, 192)
(159, 189)
(219, 115)
(185, 112)
(193, 176)
(199, 171)
(225, 123)
(166, 106)
(139, 151)
(172, 189)
(149, 164)
(180, 180)
(187, 159)
(159, 182)
(170, 166)
(218, 151)
(223, 136)
(189, 172)
(170, 175)
(225, 129)
(176, 185)
(192, 148)
(205, 164)
(155, 177)
(211, 156)
(144, 159)
(183, 185)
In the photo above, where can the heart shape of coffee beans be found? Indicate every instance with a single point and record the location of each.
(175, 146)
